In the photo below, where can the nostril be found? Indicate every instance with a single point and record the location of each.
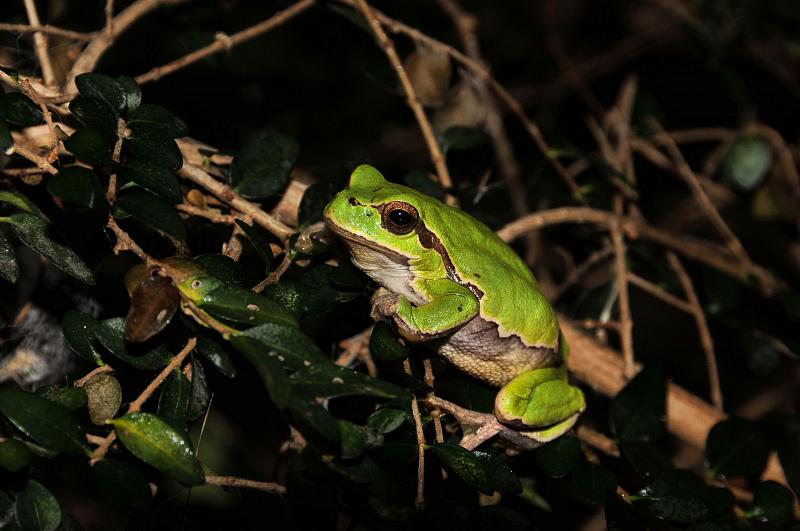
(352, 201)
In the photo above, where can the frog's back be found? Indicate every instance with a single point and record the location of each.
(510, 295)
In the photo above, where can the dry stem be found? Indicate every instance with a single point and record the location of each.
(241, 483)
(227, 43)
(437, 157)
(702, 328)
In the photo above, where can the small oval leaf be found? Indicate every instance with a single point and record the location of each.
(44, 421)
(156, 443)
(153, 212)
(37, 509)
(261, 168)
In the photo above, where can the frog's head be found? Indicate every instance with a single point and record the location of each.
(383, 223)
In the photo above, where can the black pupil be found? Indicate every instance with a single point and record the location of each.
(400, 217)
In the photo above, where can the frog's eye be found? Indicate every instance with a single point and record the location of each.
(197, 284)
(400, 218)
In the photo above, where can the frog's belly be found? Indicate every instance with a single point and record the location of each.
(478, 350)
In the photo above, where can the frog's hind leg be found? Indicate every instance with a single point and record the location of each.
(540, 403)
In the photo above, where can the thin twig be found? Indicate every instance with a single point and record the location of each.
(702, 328)
(41, 162)
(659, 292)
(210, 214)
(137, 404)
(697, 249)
(478, 69)
(435, 413)
(227, 195)
(40, 44)
(278, 272)
(596, 439)
(98, 370)
(48, 30)
(419, 501)
(241, 483)
(625, 320)
(700, 194)
(88, 59)
(223, 44)
(437, 157)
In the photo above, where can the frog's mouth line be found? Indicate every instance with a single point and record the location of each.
(352, 238)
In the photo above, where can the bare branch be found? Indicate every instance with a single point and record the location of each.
(40, 44)
(227, 43)
(241, 483)
(47, 30)
(437, 157)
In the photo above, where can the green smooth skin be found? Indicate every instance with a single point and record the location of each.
(469, 259)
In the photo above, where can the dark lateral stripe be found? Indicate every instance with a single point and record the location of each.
(430, 241)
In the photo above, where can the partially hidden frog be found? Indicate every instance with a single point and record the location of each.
(446, 278)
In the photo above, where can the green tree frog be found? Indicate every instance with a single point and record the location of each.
(447, 278)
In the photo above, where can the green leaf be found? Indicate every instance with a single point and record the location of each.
(46, 422)
(460, 137)
(21, 202)
(95, 114)
(131, 92)
(384, 345)
(102, 87)
(593, 480)
(224, 268)
(464, 463)
(173, 402)
(37, 509)
(78, 185)
(330, 380)
(155, 116)
(772, 502)
(217, 355)
(92, 146)
(735, 447)
(111, 334)
(153, 177)
(33, 232)
(261, 168)
(20, 110)
(638, 412)
(79, 331)
(156, 443)
(241, 305)
(314, 290)
(152, 143)
(6, 140)
(558, 457)
(14, 455)
(747, 162)
(313, 202)
(258, 239)
(153, 212)
(72, 398)
(501, 477)
(120, 483)
(272, 374)
(352, 441)
(386, 420)
(295, 349)
(200, 396)
(9, 269)
(317, 418)
(676, 497)
(646, 459)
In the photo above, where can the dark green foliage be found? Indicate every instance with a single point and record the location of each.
(383, 344)
(261, 168)
(78, 186)
(154, 177)
(153, 212)
(557, 458)
(20, 110)
(37, 509)
(92, 146)
(735, 447)
(638, 412)
(593, 480)
(121, 484)
(44, 421)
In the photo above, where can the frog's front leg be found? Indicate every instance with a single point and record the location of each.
(541, 403)
(450, 306)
